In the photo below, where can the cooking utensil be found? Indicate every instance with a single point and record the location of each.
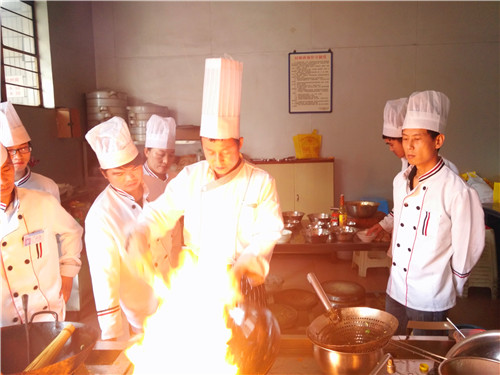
(323, 218)
(469, 366)
(24, 299)
(74, 352)
(344, 234)
(485, 345)
(361, 209)
(316, 235)
(454, 326)
(358, 330)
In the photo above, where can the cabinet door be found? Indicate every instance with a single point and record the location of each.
(284, 176)
(314, 187)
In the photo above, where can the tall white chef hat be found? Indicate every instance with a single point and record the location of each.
(12, 131)
(112, 143)
(3, 154)
(394, 115)
(427, 110)
(160, 132)
(220, 115)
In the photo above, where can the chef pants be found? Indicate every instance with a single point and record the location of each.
(404, 314)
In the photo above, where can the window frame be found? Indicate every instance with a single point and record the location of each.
(35, 55)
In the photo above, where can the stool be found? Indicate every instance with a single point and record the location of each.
(369, 259)
(344, 293)
(484, 274)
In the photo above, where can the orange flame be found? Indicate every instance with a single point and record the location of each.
(188, 334)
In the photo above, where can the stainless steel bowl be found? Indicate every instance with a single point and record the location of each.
(361, 209)
(344, 234)
(484, 345)
(289, 216)
(322, 218)
(316, 235)
(469, 366)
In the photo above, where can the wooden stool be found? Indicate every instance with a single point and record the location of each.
(484, 274)
(369, 259)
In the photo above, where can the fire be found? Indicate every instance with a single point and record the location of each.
(188, 334)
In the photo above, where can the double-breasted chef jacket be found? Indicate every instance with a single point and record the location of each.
(438, 237)
(40, 243)
(237, 214)
(35, 181)
(116, 283)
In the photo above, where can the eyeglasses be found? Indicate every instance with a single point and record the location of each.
(22, 150)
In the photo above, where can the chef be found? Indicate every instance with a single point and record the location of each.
(118, 285)
(230, 207)
(439, 226)
(159, 150)
(15, 138)
(392, 133)
(40, 252)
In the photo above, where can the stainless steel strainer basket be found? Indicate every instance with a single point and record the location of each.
(350, 329)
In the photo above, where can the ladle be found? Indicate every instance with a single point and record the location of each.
(24, 299)
(333, 312)
(456, 328)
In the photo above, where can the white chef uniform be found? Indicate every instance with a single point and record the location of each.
(32, 260)
(438, 224)
(36, 181)
(236, 214)
(117, 284)
(160, 134)
(13, 133)
(438, 239)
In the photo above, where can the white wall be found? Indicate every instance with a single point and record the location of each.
(155, 52)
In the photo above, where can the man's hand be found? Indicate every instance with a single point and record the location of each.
(66, 286)
(252, 267)
(380, 234)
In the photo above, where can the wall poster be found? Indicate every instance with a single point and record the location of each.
(310, 79)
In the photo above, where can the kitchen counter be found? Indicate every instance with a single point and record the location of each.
(295, 356)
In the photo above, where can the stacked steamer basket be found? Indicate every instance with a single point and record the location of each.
(139, 115)
(105, 104)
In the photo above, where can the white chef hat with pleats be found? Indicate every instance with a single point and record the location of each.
(427, 110)
(394, 116)
(160, 132)
(220, 115)
(3, 154)
(12, 130)
(112, 143)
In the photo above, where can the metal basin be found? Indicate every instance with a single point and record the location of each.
(338, 363)
(469, 366)
(484, 345)
(361, 209)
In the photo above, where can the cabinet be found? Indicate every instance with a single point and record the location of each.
(303, 185)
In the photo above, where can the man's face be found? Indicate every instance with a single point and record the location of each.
(420, 149)
(396, 146)
(222, 155)
(7, 180)
(159, 160)
(22, 156)
(127, 178)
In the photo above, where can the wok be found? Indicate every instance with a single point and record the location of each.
(74, 352)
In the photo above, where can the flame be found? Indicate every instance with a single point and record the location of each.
(188, 334)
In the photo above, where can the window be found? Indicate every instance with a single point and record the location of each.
(20, 58)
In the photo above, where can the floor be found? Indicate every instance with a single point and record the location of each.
(479, 309)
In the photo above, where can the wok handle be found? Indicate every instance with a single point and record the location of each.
(313, 280)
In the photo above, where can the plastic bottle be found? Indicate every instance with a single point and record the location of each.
(342, 212)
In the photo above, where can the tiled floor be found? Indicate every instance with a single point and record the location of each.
(478, 309)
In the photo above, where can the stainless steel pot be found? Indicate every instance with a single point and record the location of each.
(469, 366)
(485, 345)
(333, 362)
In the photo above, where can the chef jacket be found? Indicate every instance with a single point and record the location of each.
(35, 181)
(116, 283)
(438, 237)
(237, 214)
(171, 243)
(40, 243)
(387, 223)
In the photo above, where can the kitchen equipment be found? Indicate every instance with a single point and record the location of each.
(469, 366)
(316, 235)
(456, 328)
(255, 340)
(344, 234)
(322, 218)
(105, 104)
(361, 209)
(74, 352)
(289, 216)
(484, 345)
(364, 237)
(344, 293)
(350, 329)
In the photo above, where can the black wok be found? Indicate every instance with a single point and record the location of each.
(74, 352)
